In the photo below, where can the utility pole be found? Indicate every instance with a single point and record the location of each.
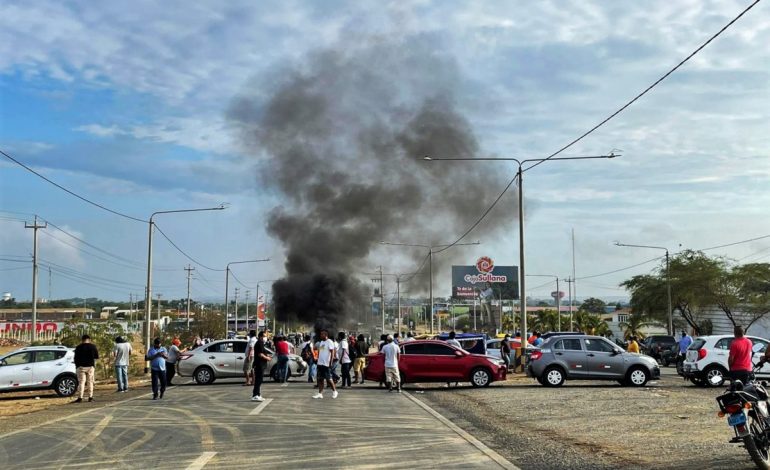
(50, 295)
(35, 227)
(236, 311)
(189, 270)
(382, 301)
(130, 306)
(570, 281)
(159, 296)
(247, 309)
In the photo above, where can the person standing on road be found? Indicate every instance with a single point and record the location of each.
(633, 346)
(362, 349)
(505, 352)
(343, 352)
(121, 353)
(261, 358)
(282, 349)
(86, 355)
(739, 359)
(306, 353)
(392, 375)
(451, 340)
(326, 353)
(157, 356)
(173, 357)
(248, 361)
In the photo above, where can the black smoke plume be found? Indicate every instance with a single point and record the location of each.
(342, 136)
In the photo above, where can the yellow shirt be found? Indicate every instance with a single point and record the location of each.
(633, 347)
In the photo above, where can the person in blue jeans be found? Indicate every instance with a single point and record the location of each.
(157, 356)
(121, 352)
(282, 349)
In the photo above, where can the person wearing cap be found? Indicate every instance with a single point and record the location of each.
(121, 353)
(392, 375)
(173, 357)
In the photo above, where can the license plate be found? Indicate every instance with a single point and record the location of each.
(736, 419)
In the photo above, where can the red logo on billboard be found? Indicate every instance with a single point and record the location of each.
(485, 264)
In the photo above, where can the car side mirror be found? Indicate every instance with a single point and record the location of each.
(616, 351)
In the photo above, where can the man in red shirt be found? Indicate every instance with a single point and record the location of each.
(739, 359)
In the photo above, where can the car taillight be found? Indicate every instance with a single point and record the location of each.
(536, 355)
(182, 357)
(733, 408)
(701, 353)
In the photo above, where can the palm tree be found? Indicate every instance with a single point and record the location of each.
(508, 323)
(591, 324)
(546, 320)
(633, 326)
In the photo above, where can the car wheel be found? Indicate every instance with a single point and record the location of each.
(554, 377)
(480, 377)
(66, 386)
(204, 376)
(274, 374)
(697, 382)
(638, 377)
(711, 372)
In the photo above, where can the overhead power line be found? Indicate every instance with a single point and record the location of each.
(735, 243)
(184, 253)
(648, 89)
(621, 269)
(72, 193)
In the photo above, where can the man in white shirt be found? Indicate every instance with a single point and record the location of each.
(392, 376)
(451, 340)
(343, 353)
(121, 352)
(326, 355)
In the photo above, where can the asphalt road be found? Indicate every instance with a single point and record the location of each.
(217, 426)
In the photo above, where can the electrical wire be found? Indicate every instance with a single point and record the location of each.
(476, 224)
(647, 90)
(72, 193)
(183, 253)
(735, 243)
(619, 270)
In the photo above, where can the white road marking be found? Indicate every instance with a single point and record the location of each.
(201, 461)
(260, 407)
(497, 458)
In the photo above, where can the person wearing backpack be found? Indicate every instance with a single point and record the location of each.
(307, 355)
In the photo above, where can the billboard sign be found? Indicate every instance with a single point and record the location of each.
(469, 281)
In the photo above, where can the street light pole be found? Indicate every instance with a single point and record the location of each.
(430, 264)
(227, 290)
(148, 289)
(668, 280)
(519, 174)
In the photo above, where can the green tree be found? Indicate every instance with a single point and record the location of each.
(633, 326)
(593, 305)
(591, 324)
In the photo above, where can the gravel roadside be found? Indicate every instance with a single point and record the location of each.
(595, 425)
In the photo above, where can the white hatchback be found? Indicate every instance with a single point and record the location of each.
(39, 367)
(707, 358)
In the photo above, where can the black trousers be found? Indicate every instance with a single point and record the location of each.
(170, 372)
(346, 374)
(158, 382)
(258, 377)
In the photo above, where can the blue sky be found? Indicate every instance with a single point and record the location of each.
(126, 104)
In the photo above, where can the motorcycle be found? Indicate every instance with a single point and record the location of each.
(746, 409)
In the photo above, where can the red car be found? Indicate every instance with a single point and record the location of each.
(437, 361)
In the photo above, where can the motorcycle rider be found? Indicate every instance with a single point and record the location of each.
(739, 359)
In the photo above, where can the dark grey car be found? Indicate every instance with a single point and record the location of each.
(588, 357)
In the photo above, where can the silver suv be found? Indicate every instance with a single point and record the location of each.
(39, 367)
(224, 359)
(587, 357)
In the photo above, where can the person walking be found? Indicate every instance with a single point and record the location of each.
(86, 355)
(739, 358)
(392, 375)
(343, 352)
(505, 352)
(157, 356)
(248, 361)
(362, 349)
(282, 349)
(261, 358)
(633, 346)
(121, 353)
(173, 358)
(326, 354)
